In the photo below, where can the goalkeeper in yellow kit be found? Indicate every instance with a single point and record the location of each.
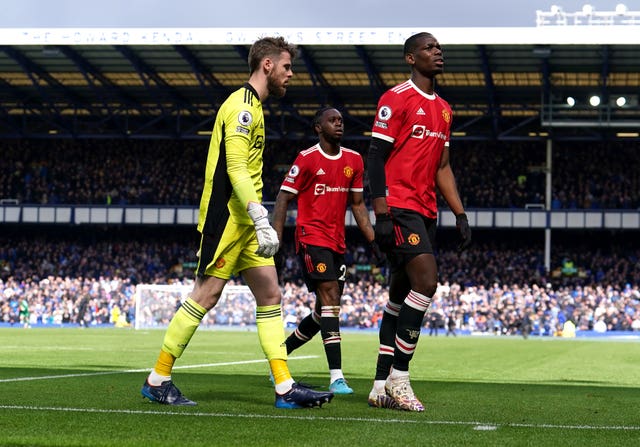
(236, 234)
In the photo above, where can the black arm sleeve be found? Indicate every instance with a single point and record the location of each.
(378, 152)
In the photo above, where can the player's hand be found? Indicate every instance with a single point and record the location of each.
(379, 257)
(268, 242)
(384, 231)
(462, 225)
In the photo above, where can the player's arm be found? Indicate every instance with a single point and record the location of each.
(237, 149)
(378, 152)
(361, 214)
(446, 182)
(237, 146)
(280, 211)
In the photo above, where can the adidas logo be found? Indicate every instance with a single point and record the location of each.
(420, 112)
(320, 172)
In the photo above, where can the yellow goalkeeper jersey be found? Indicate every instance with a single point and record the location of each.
(233, 174)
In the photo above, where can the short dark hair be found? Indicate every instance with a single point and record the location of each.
(318, 116)
(411, 44)
(269, 46)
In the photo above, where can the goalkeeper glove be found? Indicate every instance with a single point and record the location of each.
(462, 225)
(267, 237)
(384, 231)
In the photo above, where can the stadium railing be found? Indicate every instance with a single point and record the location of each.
(169, 215)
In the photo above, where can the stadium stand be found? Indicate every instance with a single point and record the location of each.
(128, 172)
(87, 276)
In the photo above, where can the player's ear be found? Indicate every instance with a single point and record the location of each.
(267, 65)
(409, 58)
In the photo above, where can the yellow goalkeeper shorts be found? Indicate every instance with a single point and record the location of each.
(231, 253)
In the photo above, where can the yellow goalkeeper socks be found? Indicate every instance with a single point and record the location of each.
(271, 332)
(281, 376)
(164, 364)
(272, 340)
(182, 327)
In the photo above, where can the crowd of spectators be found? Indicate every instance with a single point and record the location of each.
(593, 175)
(87, 276)
(584, 175)
(104, 172)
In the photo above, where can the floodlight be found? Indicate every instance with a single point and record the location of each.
(594, 101)
(571, 101)
(587, 9)
(555, 9)
(621, 101)
(621, 9)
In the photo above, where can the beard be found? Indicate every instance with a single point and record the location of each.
(274, 88)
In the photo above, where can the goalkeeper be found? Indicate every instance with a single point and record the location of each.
(236, 234)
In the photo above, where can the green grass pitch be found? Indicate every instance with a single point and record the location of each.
(81, 387)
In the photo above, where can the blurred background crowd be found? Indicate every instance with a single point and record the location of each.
(88, 277)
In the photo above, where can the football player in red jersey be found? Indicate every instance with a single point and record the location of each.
(408, 160)
(325, 178)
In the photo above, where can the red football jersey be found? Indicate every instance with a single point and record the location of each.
(419, 127)
(322, 183)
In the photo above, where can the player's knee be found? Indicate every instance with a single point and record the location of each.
(328, 293)
(330, 300)
(429, 288)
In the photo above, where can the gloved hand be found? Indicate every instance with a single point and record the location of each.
(384, 231)
(267, 237)
(379, 257)
(462, 225)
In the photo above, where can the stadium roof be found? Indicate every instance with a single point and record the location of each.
(167, 83)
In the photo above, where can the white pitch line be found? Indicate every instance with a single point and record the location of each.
(127, 371)
(320, 418)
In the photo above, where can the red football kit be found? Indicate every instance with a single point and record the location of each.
(322, 183)
(419, 127)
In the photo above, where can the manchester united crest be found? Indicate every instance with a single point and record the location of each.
(220, 263)
(348, 171)
(321, 267)
(446, 116)
(413, 239)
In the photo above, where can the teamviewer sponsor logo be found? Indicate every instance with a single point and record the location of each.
(322, 189)
(422, 132)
